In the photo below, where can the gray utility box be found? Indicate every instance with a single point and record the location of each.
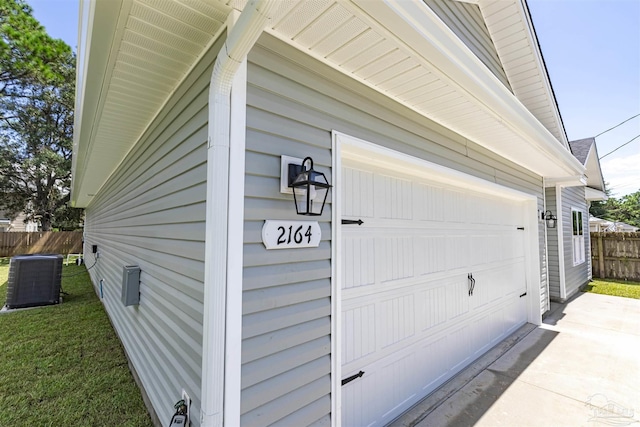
(130, 285)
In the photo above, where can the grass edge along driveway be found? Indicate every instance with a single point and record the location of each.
(616, 288)
(63, 365)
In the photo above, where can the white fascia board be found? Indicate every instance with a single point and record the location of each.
(411, 22)
(567, 181)
(593, 195)
(535, 47)
(594, 170)
(97, 31)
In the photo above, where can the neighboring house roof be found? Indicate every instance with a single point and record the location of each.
(586, 151)
(606, 225)
(136, 55)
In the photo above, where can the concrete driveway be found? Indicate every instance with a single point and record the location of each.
(580, 368)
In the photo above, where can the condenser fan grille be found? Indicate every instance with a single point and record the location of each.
(34, 280)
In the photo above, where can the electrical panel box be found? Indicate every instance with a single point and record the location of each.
(130, 285)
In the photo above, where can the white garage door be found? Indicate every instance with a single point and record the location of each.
(431, 280)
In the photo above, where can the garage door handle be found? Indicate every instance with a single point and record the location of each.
(472, 283)
(352, 377)
(352, 221)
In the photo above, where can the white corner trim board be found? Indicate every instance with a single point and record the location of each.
(222, 303)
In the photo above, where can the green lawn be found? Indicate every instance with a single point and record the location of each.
(63, 365)
(616, 288)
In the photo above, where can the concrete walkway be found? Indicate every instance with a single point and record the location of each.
(580, 368)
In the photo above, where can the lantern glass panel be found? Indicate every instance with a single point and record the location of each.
(310, 190)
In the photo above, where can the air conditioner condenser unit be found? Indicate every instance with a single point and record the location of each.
(34, 280)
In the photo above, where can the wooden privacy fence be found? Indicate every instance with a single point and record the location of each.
(616, 255)
(43, 242)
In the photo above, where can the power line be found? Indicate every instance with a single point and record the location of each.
(626, 143)
(619, 124)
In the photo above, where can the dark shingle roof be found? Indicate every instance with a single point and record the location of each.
(580, 148)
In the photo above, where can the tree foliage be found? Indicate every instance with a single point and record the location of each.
(37, 84)
(626, 209)
(27, 52)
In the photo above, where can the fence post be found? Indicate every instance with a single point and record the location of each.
(603, 274)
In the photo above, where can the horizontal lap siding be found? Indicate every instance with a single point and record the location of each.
(293, 105)
(552, 246)
(151, 213)
(466, 21)
(578, 275)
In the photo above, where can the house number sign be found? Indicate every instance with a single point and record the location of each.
(291, 234)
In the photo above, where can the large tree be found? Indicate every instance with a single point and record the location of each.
(27, 52)
(36, 119)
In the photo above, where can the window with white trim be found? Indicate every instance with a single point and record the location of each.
(578, 236)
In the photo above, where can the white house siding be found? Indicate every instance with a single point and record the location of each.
(294, 103)
(466, 21)
(553, 259)
(151, 213)
(575, 276)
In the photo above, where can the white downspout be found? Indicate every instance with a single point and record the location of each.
(560, 231)
(222, 300)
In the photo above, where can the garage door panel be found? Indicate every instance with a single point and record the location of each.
(408, 320)
(393, 197)
(434, 245)
(455, 206)
(457, 251)
(359, 333)
(459, 351)
(358, 253)
(396, 257)
(430, 308)
(397, 320)
(429, 202)
(457, 302)
(432, 369)
(360, 201)
(364, 397)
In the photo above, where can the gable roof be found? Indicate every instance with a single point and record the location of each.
(586, 151)
(581, 148)
(134, 54)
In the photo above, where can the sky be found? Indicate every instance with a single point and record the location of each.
(592, 52)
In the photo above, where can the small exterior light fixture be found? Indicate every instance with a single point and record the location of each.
(310, 188)
(550, 218)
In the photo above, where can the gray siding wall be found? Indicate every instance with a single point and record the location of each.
(578, 275)
(552, 246)
(293, 105)
(466, 21)
(151, 213)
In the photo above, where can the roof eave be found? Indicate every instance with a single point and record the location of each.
(413, 22)
(97, 29)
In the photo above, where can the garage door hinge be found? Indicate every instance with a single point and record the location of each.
(352, 377)
(520, 228)
(523, 295)
(352, 221)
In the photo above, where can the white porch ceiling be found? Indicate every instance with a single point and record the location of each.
(396, 48)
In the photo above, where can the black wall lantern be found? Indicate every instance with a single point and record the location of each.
(310, 188)
(550, 218)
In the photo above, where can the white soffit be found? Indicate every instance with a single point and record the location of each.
(403, 50)
(511, 30)
(138, 51)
